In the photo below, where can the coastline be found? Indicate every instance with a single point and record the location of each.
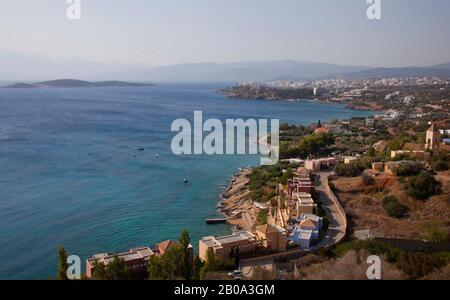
(236, 203)
(354, 106)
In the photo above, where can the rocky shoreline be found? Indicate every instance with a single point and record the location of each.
(236, 203)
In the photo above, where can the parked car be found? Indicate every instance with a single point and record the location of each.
(236, 274)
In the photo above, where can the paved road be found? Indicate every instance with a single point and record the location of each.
(336, 230)
(336, 215)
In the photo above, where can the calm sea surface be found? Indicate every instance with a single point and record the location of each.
(68, 175)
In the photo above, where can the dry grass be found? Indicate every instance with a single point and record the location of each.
(441, 274)
(363, 205)
(351, 266)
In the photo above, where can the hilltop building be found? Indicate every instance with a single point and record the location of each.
(433, 138)
(316, 165)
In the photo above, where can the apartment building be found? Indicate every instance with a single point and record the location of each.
(224, 246)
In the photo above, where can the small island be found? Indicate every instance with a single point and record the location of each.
(73, 83)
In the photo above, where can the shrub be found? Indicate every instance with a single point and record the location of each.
(440, 166)
(415, 265)
(418, 264)
(349, 170)
(367, 179)
(262, 217)
(435, 233)
(409, 169)
(393, 207)
(423, 186)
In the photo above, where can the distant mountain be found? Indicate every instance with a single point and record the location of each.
(442, 66)
(241, 71)
(396, 72)
(31, 68)
(16, 67)
(22, 67)
(73, 83)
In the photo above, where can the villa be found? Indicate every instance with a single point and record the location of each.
(273, 237)
(300, 184)
(314, 218)
(304, 237)
(316, 165)
(135, 259)
(304, 204)
(224, 246)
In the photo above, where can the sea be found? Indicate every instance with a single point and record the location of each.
(71, 173)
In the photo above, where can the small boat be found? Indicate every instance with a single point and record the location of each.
(140, 149)
(186, 181)
(157, 155)
(134, 155)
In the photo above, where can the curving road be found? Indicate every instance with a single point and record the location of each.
(336, 214)
(336, 230)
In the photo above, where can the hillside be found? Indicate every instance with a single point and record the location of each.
(396, 72)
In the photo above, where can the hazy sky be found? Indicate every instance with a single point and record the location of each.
(160, 32)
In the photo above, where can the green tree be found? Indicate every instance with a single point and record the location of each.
(196, 270)
(262, 217)
(211, 264)
(155, 269)
(62, 264)
(170, 266)
(185, 240)
(174, 262)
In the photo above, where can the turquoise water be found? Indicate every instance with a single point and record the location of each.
(68, 175)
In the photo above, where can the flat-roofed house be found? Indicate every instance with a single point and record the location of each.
(315, 165)
(274, 237)
(304, 237)
(224, 246)
(391, 168)
(350, 159)
(378, 166)
(135, 259)
(305, 204)
(300, 184)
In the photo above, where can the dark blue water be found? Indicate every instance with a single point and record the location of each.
(67, 174)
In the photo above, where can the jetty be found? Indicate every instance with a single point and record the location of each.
(217, 220)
